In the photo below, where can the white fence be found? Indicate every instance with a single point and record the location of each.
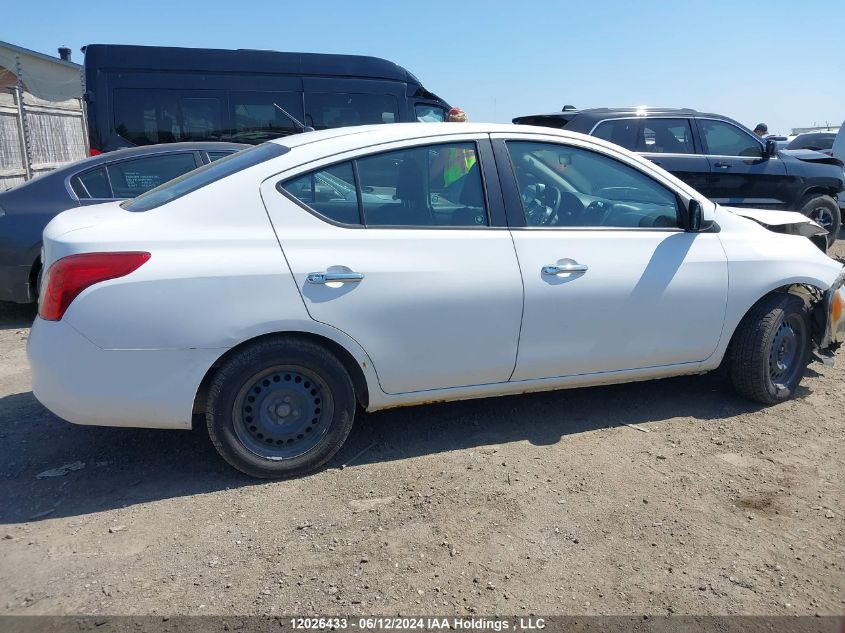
(37, 135)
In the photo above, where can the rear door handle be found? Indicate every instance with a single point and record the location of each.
(324, 278)
(559, 269)
(721, 165)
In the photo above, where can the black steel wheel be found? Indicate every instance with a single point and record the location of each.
(280, 408)
(770, 349)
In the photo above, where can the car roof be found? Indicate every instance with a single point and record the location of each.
(384, 133)
(618, 113)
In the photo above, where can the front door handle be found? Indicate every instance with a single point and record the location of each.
(722, 165)
(559, 269)
(324, 278)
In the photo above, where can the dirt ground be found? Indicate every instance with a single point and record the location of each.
(546, 504)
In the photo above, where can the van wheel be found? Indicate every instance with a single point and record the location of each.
(280, 408)
(771, 349)
(823, 210)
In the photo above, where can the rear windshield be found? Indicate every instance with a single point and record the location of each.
(203, 176)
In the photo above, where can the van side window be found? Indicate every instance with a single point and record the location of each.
(328, 110)
(428, 113)
(255, 117)
(146, 117)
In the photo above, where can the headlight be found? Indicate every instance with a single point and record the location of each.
(835, 312)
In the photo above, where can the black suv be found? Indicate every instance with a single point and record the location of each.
(716, 156)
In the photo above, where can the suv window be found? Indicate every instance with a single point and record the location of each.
(130, 178)
(564, 186)
(92, 184)
(620, 131)
(330, 110)
(432, 185)
(724, 139)
(665, 136)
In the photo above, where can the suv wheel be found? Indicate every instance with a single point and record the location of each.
(823, 210)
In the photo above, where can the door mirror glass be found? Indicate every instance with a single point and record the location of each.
(771, 148)
(695, 217)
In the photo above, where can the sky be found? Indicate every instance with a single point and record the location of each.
(781, 62)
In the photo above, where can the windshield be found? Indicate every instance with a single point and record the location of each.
(205, 175)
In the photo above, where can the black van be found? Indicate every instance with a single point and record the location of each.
(141, 95)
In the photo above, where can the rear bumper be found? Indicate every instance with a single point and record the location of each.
(84, 384)
(14, 284)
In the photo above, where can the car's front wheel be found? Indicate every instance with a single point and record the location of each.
(280, 408)
(771, 349)
(824, 210)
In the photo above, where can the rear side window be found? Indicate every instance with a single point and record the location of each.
(213, 156)
(724, 139)
(92, 184)
(620, 131)
(205, 175)
(330, 110)
(131, 178)
(331, 192)
(666, 136)
(433, 185)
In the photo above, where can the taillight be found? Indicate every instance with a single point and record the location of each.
(70, 275)
(93, 151)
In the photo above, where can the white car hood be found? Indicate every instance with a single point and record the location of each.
(792, 222)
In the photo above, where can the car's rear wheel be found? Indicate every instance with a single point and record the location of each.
(824, 210)
(280, 408)
(771, 349)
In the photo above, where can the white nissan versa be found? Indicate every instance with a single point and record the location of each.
(278, 289)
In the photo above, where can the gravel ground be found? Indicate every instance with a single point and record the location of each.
(546, 503)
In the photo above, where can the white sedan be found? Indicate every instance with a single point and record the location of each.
(277, 290)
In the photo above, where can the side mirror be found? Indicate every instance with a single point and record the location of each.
(695, 218)
(771, 148)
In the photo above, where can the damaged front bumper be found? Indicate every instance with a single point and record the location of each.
(830, 316)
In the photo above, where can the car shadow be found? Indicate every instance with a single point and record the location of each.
(109, 468)
(16, 315)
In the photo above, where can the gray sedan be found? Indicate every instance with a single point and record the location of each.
(126, 173)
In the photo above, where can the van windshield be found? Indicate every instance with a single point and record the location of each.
(205, 175)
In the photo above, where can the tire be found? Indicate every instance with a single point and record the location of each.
(825, 211)
(770, 349)
(280, 408)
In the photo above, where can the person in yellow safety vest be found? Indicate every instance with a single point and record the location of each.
(458, 161)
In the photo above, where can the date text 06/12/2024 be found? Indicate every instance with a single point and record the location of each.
(419, 624)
